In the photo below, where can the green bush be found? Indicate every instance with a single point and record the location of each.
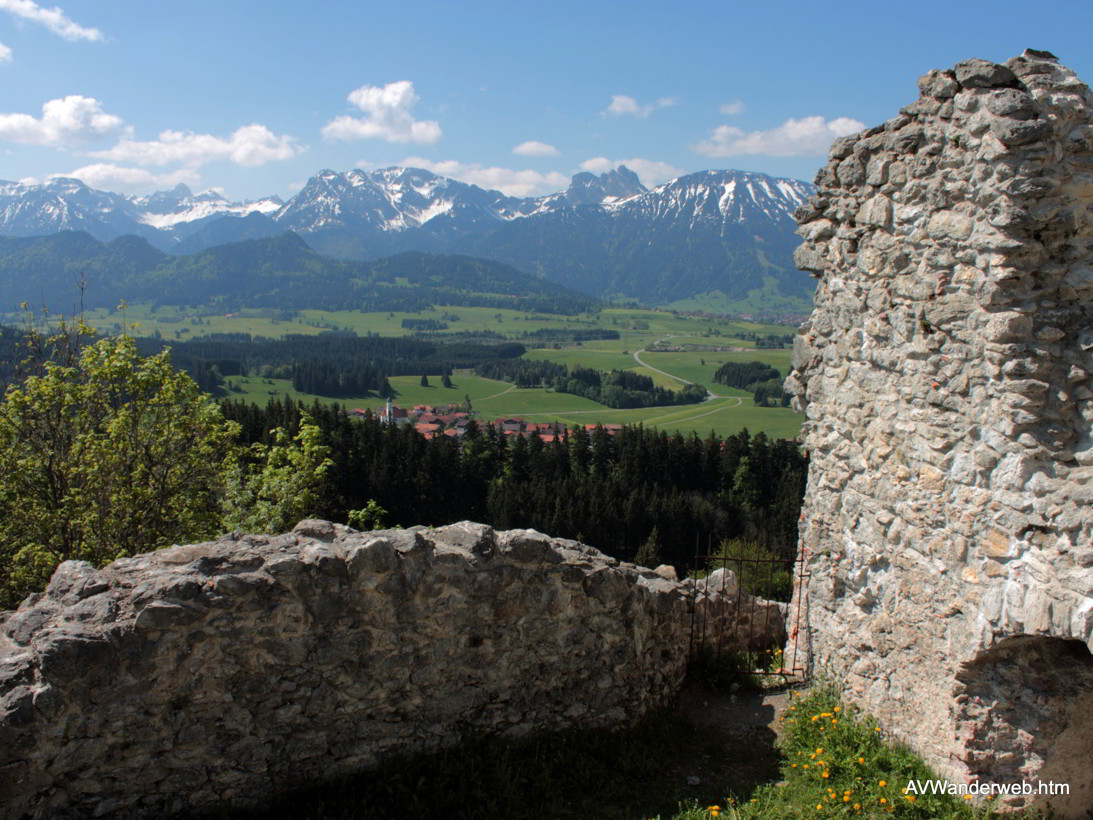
(758, 570)
(104, 453)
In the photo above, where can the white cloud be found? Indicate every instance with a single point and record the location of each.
(5, 54)
(534, 148)
(123, 180)
(810, 135)
(622, 105)
(507, 180)
(67, 121)
(249, 145)
(732, 109)
(387, 116)
(649, 171)
(54, 19)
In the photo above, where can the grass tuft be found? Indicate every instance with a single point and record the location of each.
(838, 763)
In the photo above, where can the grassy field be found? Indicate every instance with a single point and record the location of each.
(636, 327)
(730, 412)
(495, 399)
(767, 299)
(700, 367)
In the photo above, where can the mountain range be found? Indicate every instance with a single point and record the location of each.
(730, 232)
(280, 273)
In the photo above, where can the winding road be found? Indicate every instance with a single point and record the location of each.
(673, 416)
(709, 393)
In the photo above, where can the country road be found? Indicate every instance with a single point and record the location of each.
(637, 358)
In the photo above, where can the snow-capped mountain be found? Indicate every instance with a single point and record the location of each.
(725, 196)
(389, 200)
(66, 204)
(63, 204)
(179, 206)
(730, 231)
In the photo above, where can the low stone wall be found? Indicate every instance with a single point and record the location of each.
(946, 374)
(222, 673)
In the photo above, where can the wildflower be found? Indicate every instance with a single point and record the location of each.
(883, 783)
(910, 797)
(861, 759)
(846, 798)
(826, 775)
(967, 797)
(714, 811)
(857, 807)
(883, 800)
(833, 721)
(837, 709)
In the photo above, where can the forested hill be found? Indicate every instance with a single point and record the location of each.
(277, 272)
(612, 492)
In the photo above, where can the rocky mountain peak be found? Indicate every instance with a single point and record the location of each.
(587, 188)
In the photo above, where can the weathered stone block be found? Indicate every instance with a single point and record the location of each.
(331, 650)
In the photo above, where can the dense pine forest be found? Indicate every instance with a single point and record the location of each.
(607, 491)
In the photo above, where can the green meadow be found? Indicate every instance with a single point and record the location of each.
(638, 330)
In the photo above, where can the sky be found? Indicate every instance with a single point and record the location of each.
(253, 98)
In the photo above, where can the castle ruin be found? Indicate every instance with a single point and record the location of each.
(945, 373)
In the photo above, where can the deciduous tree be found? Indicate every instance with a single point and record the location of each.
(103, 453)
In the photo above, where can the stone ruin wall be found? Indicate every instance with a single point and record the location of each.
(945, 373)
(220, 674)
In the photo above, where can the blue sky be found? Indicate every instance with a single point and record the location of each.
(255, 97)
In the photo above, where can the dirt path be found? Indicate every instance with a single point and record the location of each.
(741, 712)
(738, 732)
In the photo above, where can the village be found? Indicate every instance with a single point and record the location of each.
(452, 420)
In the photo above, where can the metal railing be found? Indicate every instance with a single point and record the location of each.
(737, 613)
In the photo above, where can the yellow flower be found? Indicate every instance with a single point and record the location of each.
(910, 797)
(857, 807)
(967, 797)
(861, 759)
(819, 751)
(837, 709)
(883, 800)
(846, 798)
(826, 775)
(833, 721)
(819, 807)
(883, 783)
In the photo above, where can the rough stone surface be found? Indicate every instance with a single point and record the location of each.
(220, 674)
(945, 373)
